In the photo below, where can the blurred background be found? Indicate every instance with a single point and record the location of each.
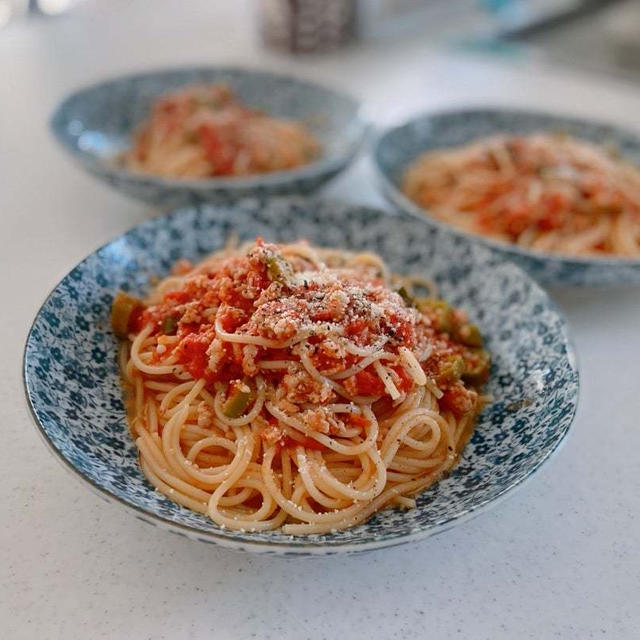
(399, 57)
(598, 35)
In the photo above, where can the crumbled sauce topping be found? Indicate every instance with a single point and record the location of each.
(265, 295)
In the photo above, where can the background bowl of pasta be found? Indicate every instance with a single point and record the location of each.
(210, 133)
(73, 385)
(558, 195)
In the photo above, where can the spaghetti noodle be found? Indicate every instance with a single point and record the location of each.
(283, 386)
(205, 131)
(543, 191)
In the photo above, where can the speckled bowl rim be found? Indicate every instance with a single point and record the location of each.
(299, 546)
(109, 167)
(403, 204)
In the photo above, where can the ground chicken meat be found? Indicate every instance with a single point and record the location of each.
(205, 415)
(216, 352)
(191, 313)
(249, 364)
(337, 304)
(300, 387)
(270, 433)
(323, 421)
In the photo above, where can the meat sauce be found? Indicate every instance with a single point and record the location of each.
(262, 295)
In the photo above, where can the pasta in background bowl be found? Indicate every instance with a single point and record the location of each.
(505, 197)
(98, 124)
(204, 131)
(73, 384)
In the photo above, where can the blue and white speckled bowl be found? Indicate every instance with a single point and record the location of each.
(95, 125)
(73, 389)
(396, 148)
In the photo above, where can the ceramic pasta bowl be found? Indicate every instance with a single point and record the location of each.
(74, 392)
(95, 125)
(397, 147)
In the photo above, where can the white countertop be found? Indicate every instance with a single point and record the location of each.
(560, 558)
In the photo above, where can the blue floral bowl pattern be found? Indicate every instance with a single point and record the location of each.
(74, 392)
(396, 148)
(95, 125)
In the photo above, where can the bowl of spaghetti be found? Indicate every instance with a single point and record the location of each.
(559, 195)
(299, 378)
(209, 133)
